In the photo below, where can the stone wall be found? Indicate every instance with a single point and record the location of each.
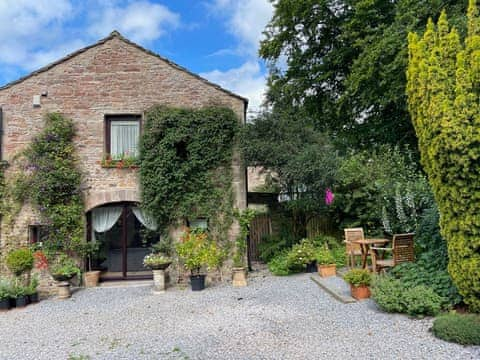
(112, 77)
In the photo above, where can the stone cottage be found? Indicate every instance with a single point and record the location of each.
(105, 89)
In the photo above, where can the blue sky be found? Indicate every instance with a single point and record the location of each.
(217, 39)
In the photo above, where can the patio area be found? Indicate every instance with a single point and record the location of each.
(272, 318)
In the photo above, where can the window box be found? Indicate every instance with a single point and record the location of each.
(124, 162)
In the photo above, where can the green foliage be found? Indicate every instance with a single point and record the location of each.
(337, 249)
(185, 165)
(425, 273)
(32, 286)
(300, 255)
(354, 68)
(244, 218)
(17, 289)
(270, 246)
(20, 261)
(64, 267)
(392, 295)
(358, 277)
(324, 256)
(196, 250)
(381, 190)
(54, 185)
(279, 265)
(5, 288)
(443, 81)
(458, 328)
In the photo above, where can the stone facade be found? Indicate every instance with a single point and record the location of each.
(113, 76)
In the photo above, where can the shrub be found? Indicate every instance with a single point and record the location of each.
(358, 277)
(392, 295)
(336, 247)
(459, 328)
(20, 261)
(197, 251)
(421, 300)
(64, 267)
(5, 289)
(278, 265)
(387, 292)
(270, 246)
(300, 255)
(324, 256)
(32, 287)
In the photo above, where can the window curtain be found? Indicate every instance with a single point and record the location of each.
(104, 218)
(145, 219)
(124, 138)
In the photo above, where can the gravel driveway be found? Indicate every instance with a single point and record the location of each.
(272, 318)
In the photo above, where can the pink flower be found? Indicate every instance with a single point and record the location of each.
(329, 197)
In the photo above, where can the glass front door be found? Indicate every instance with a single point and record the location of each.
(123, 247)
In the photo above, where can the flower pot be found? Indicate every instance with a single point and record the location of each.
(91, 278)
(160, 266)
(197, 282)
(21, 301)
(239, 277)
(5, 304)
(360, 292)
(311, 267)
(33, 298)
(13, 303)
(327, 270)
(63, 290)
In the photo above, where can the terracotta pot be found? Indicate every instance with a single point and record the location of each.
(91, 278)
(327, 270)
(360, 292)
(239, 277)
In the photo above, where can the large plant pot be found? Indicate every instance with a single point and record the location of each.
(63, 290)
(311, 267)
(197, 282)
(360, 292)
(91, 278)
(327, 270)
(33, 298)
(21, 301)
(5, 304)
(239, 277)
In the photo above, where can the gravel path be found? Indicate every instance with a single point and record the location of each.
(272, 318)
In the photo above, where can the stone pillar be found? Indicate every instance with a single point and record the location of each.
(63, 290)
(159, 283)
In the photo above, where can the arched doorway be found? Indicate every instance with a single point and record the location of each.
(125, 235)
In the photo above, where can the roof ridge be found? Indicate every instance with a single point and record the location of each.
(118, 35)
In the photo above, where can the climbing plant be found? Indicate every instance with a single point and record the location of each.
(185, 165)
(54, 184)
(443, 90)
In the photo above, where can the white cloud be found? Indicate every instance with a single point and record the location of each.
(246, 80)
(139, 21)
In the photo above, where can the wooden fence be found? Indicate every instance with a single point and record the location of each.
(260, 226)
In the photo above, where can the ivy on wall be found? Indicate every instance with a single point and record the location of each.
(185, 165)
(54, 184)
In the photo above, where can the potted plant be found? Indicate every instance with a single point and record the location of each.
(302, 256)
(20, 261)
(19, 294)
(197, 251)
(91, 277)
(359, 280)
(158, 263)
(325, 262)
(5, 294)
(63, 270)
(239, 273)
(31, 289)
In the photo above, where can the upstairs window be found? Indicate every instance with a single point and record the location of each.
(122, 136)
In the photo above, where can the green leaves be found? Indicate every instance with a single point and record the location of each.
(185, 163)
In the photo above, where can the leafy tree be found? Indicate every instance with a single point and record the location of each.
(443, 89)
(343, 62)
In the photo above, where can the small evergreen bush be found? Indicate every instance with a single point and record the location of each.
(358, 277)
(20, 261)
(278, 265)
(458, 328)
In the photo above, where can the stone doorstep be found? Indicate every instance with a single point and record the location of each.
(332, 290)
(125, 283)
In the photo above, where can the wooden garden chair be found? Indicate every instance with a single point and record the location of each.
(402, 251)
(352, 249)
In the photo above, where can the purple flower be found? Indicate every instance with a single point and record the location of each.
(329, 197)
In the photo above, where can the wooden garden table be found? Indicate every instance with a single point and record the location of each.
(365, 247)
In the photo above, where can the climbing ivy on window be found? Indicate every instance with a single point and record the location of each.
(185, 165)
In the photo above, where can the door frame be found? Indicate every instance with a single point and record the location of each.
(125, 205)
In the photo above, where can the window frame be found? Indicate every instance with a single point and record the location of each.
(109, 118)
